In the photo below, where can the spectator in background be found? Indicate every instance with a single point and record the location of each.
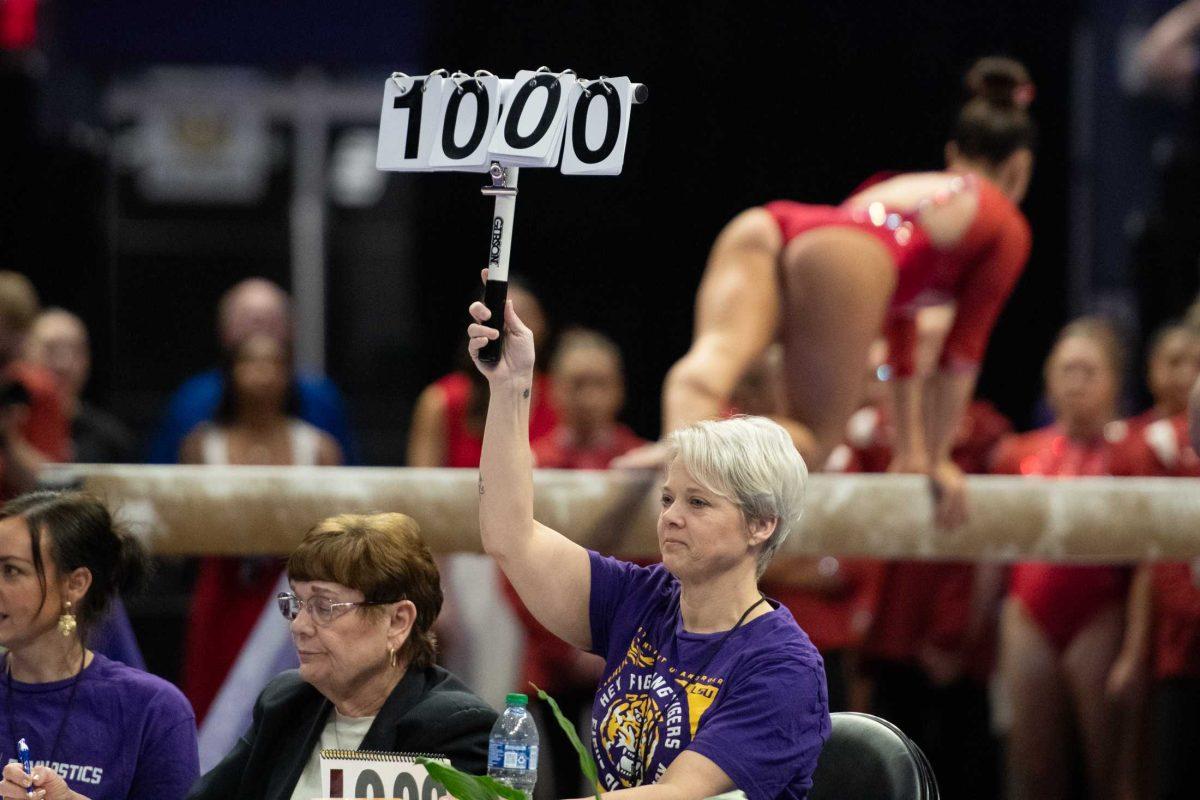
(255, 424)
(447, 423)
(254, 306)
(1063, 628)
(1163, 622)
(587, 378)
(59, 342)
(33, 429)
(1172, 366)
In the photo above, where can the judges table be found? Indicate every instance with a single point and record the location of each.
(200, 510)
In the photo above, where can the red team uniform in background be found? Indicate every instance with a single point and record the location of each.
(1164, 451)
(464, 446)
(1063, 598)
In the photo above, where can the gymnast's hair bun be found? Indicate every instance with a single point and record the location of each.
(1000, 82)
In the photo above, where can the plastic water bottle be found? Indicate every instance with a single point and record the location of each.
(513, 746)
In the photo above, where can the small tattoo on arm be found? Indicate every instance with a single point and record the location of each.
(525, 393)
(481, 485)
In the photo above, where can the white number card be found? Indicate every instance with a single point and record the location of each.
(406, 125)
(597, 127)
(369, 773)
(467, 114)
(529, 133)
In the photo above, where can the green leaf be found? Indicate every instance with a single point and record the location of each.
(585, 759)
(465, 786)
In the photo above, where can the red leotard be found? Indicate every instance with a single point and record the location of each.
(905, 241)
(463, 446)
(1063, 599)
(978, 273)
(1177, 620)
(1164, 451)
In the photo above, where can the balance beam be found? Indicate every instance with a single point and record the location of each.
(200, 510)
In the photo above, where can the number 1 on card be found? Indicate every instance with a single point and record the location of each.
(406, 122)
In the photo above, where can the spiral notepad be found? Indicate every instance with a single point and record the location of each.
(372, 773)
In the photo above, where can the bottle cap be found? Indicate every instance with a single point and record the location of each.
(516, 699)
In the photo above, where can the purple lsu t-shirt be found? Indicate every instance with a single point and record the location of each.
(128, 734)
(758, 710)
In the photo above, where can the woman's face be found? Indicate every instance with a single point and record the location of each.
(1173, 369)
(700, 533)
(24, 617)
(589, 388)
(352, 648)
(261, 372)
(1080, 383)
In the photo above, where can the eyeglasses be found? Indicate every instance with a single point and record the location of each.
(322, 610)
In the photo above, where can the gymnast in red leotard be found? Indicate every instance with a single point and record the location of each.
(825, 280)
(1063, 626)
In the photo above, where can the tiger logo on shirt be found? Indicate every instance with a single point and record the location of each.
(647, 712)
(631, 729)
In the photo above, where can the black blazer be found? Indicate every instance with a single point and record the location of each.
(429, 711)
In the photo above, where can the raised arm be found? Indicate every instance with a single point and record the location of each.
(551, 573)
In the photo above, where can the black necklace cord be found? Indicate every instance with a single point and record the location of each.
(642, 734)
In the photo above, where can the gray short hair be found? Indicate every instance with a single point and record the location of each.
(752, 462)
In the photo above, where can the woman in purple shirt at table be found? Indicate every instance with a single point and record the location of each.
(708, 686)
(96, 729)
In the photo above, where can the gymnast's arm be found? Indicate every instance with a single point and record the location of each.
(550, 573)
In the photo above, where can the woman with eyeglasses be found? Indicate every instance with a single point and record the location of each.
(364, 596)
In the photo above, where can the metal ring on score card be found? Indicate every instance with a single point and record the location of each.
(397, 77)
(459, 77)
(479, 75)
(440, 72)
(605, 85)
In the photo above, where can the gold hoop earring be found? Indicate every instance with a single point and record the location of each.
(392, 656)
(66, 621)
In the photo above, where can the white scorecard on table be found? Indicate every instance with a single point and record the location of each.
(369, 773)
(538, 118)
